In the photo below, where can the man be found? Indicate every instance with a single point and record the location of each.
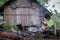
(49, 26)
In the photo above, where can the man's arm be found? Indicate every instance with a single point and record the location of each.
(45, 25)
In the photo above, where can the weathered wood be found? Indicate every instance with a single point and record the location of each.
(8, 35)
(23, 3)
(9, 19)
(25, 16)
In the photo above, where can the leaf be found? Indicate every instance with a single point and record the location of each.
(42, 1)
(2, 2)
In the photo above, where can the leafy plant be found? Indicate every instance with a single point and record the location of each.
(42, 1)
(3, 2)
(10, 27)
(56, 18)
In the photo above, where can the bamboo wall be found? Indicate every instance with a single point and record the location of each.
(25, 16)
(9, 15)
(23, 3)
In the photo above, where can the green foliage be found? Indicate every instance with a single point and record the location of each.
(42, 1)
(56, 18)
(10, 27)
(7, 26)
(3, 2)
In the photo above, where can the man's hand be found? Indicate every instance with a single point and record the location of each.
(44, 23)
(46, 28)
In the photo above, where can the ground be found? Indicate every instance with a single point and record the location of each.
(32, 36)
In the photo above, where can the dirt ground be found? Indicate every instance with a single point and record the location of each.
(33, 36)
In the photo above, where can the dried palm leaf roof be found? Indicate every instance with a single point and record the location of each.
(41, 7)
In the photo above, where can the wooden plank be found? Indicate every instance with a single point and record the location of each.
(25, 16)
(8, 18)
(23, 3)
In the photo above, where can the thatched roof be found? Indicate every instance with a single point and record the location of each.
(43, 10)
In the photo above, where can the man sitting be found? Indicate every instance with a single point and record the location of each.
(49, 26)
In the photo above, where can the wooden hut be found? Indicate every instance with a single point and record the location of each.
(26, 13)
